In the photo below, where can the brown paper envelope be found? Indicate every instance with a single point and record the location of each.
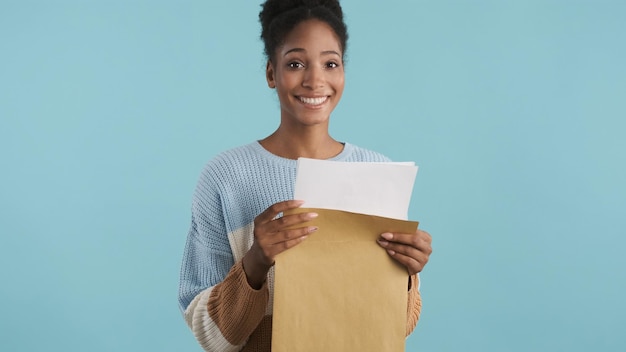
(339, 290)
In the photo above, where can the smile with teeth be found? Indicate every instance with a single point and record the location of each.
(313, 101)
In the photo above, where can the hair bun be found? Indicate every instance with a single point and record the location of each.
(274, 8)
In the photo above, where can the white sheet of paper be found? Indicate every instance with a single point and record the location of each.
(381, 189)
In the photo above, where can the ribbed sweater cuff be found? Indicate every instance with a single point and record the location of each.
(414, 305)
(237, 308)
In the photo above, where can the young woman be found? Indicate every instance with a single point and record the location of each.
(226, 283)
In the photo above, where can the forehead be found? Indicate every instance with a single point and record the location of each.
(312, 35)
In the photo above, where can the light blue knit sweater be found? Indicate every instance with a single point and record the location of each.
(235, 187)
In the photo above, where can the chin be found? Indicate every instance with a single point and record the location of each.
(313, 120)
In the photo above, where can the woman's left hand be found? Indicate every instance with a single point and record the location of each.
(410, 249)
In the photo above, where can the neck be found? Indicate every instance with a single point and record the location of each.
(314, 143)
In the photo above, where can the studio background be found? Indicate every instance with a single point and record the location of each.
(514, 111)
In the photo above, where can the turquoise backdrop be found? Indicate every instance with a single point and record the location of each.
(514, 110)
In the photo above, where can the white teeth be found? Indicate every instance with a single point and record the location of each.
(313, 101)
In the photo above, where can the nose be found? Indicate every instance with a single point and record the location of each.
(313, 77)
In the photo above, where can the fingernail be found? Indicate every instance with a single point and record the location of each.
(391, 252)
(313, 229)
(387, 235)
(383, 242)
(312, 215)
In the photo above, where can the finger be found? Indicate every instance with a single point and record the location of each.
(409, 252)
(270, 213)
(290, 239)
(404, 249)
(274, 238)
(292, 234)
(289, 221)
(285, 245)
(408, 238)
(420, 240)
(413, 266)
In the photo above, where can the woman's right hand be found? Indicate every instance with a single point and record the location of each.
(272, 237)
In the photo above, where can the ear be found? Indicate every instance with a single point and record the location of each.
(269, 75)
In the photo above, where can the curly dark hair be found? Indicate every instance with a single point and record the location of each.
(279, 17)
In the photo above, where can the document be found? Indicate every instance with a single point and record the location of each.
(381, 189)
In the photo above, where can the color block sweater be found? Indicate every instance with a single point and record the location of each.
(222, 310)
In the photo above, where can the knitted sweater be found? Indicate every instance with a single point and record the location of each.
(222, 310)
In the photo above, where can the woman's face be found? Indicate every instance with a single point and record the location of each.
(308, 75)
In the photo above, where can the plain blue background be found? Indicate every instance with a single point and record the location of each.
(514, 110)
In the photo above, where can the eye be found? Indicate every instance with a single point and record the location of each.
(332, 64)
(295, 65)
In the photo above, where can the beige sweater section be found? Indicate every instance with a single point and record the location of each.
(238, 310)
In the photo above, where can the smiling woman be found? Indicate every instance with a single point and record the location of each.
(514, 111)
(226, 284)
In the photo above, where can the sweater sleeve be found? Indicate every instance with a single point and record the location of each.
(218, 304)
(414, 305)
(223, 317)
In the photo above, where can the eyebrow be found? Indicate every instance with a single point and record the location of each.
(301, 50)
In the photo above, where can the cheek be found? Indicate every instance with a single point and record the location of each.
(339, 83)
(338, 78)
(288, 77)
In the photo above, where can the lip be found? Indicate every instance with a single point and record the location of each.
(313, 102)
